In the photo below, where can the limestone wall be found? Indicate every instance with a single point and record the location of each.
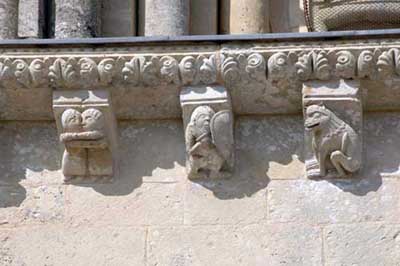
(267, 214)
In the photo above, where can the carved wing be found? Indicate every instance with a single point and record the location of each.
(222, 134)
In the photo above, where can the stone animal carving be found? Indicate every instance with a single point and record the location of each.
(209, 142)
(334, 143)
(82, 133)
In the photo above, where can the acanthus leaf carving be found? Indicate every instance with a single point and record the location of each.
(345, 64)
(107, 69)
(38, 69)
(21, 72)
(88, 72)
(385, 64)
(366, 64)
(231, 70)
(208, 69)
(256, 67)
(64, 73)
(131, 70)
(281, 65)
(188, 70)
(169, 70)
(304, 67)
(150, 70)
(6, 73)
(321, 67)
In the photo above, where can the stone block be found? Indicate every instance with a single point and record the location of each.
(153, 151)
(88, 129)
(221, 245)
(362, 244)
(31, 205)
(124, 204)
(50, 245)
(224, 202)
(31, 18)
(333, 120)
(302, 201)
(209, 131)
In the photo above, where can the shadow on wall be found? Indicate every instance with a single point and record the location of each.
(25, 147)
(149, 152)
(268, 148)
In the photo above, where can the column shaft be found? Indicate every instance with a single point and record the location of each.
(77, 18)
(203, 17)
(8, 19)
(118, 18)
(244, 16)
(164, 17)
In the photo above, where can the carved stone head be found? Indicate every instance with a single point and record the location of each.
(71, 120)
(92, 120)
(200, 120)
(317, 117)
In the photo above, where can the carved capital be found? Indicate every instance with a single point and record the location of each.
(333, 128)
(209, 137)
(87, 128)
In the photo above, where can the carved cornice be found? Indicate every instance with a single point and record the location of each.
(225, 66)
(145, 82)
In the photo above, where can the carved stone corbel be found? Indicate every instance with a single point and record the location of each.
(208, 123)
(87, 127)
(333, 128)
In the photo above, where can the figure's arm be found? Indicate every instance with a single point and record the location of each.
(189, 138)
(345, 142)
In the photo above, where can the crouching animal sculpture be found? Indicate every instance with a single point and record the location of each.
(209, 142)
(334, 143)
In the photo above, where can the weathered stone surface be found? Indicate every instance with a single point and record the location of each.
(8, 19)
(164, 17)
(362, 244)
(31, 18)
(118, 18)
(77, 18)
(290, 18)
(269, 148)
(249, 245)
(124, 204)
(31, 205)
(49, 245)
(203, 17)
(224, 202)
(244, 16)
(366, 200)
(32, 155)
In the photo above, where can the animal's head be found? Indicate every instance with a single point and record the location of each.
(317, 117)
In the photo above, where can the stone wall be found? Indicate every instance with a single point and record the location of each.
(267, 214)
(271, 211)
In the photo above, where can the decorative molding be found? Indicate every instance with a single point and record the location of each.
(209, 137)
(229, 66)
(88, 131)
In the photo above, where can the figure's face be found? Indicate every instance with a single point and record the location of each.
(203, 122)
(316, 117)
(71, 120)
(92, 119)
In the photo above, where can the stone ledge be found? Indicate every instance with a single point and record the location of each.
(145, 81)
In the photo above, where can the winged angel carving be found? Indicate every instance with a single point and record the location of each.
(209, 143)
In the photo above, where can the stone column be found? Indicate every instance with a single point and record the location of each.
(164, 17)
(77, 18)
(31, 18)
(118, 18)
(203, 17)
(8, 19)
(244, 16)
